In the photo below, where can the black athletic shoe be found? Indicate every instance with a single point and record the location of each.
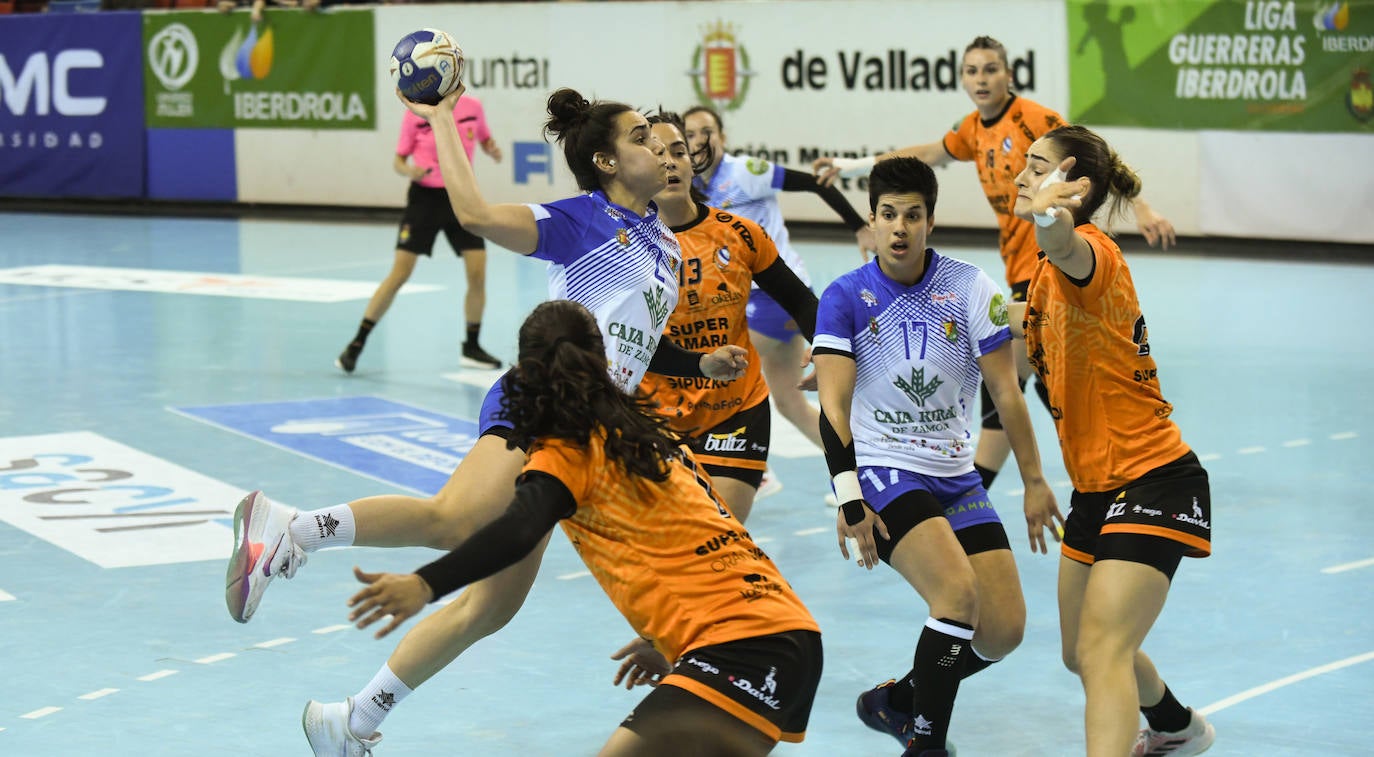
(349, 357)
(476, 357)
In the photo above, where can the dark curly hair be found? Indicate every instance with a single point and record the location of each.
(583, 128)
(560, 388)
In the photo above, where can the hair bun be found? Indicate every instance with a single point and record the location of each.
(567, 108)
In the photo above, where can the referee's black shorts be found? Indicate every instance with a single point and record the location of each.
(428, 211)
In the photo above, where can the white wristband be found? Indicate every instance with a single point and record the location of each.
(846, 485)
(851, 167)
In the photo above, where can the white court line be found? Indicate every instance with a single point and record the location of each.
(1349, 566)
(764, 540)
(1342, 436)
(40, 713)
(1209, 457)
(1016, 493)
(478, 377)
(216, 658)
(157, 675)
(571, 576)
(1249, 450)
(810, 531)
(274, 642)
(6, 596)
(1297, 442)
(332, 629)
(1280, 683)
(97, 694)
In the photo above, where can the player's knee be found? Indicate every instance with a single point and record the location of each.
(957, 599)
(1000, 638)
(1070, 657)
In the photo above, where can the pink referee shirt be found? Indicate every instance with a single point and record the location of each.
(417, 139)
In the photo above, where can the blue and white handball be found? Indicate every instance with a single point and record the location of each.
(427, 65)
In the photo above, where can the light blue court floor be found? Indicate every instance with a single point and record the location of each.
(153, 370)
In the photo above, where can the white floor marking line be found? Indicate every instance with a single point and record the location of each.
(1297, 442)
(157, 675)
(1016, 493)
(810, 531)
(1349, 566)
(478, 377)
(1280, 683)
(764, 540)
(1249, 450)
(332, 629)
(273, 642)
(1342, 436)
(40, 713)
(576, 574)
(97, 694)
(1209, 457)
(216, 658)
(6, 596)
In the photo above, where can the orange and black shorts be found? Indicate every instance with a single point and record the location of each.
(768, 682)
(1157, 519)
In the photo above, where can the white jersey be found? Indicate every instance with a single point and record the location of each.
(622, 267)
(749, 187)
(916, 352)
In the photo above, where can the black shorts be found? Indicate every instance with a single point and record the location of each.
(1020, 290)
(427, 212)
(1172, 503)
(768, 682)
(737, 447)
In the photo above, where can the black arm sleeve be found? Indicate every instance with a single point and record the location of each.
(540, 502)
(672, 360)
(839, 457)
(799, 181)
(780, 282)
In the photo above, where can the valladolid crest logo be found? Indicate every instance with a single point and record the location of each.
(720, 68)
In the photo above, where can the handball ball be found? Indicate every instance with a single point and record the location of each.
(427, 65)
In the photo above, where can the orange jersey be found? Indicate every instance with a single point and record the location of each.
(672, 559)
(721, 252)
(999, 149)
(1091, 350)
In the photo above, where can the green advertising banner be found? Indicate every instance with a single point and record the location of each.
(1223, 64)
(293, 70)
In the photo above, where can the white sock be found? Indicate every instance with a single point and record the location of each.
(330, 527)
(375, 702)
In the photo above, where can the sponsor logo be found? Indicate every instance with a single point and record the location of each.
(247, 56)
(1333, 17)
(997, 310)
(531, 158)
(110, 504)
(384, 699)
(1116, 510)
(1150, 511)
(720, 68)
(720, 541)
(173, 56)
(733, 441)
(49, 87)
(917, 388)
(623, 237)
(744, 685)
(657, 303)
(702, 665)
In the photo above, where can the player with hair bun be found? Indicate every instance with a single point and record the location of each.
(608, 247)
(1141, 499)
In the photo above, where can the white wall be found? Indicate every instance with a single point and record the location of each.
(1220, 183)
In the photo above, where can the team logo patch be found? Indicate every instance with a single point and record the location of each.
(720, 68)
(869, 298)
(405, 233)
(623, 237)
(722, 257)
(1006, 144)
(873, 327)
(951, 331)
(997, 310)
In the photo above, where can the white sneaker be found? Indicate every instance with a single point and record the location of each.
(1195, 739)
(263, 550)
(326, 728)
(769, 486)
